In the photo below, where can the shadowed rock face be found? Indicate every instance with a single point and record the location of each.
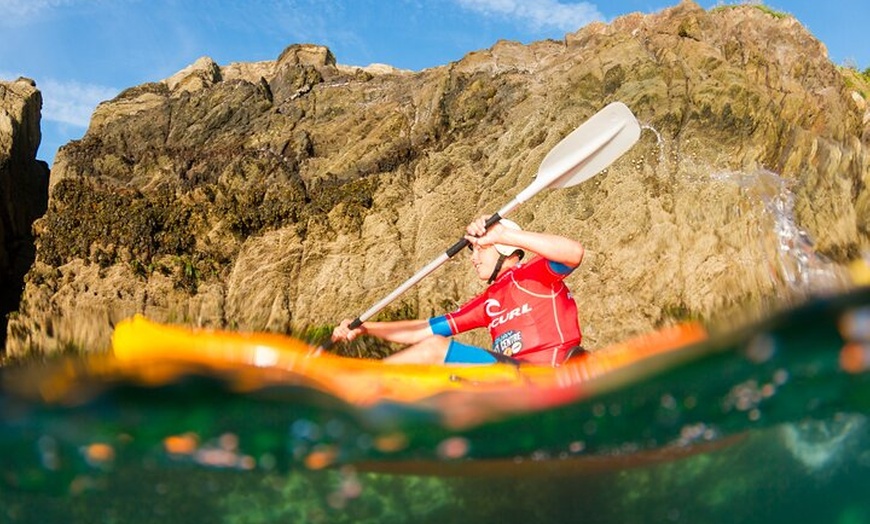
(289, 194)
(23, 188)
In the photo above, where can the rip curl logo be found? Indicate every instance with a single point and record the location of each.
(492, 307)
(499, 316)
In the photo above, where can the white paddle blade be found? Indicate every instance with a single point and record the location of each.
(590, 148)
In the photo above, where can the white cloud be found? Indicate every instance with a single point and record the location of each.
(72, 102)
(538, 14)
(12, 11)
(69, 102)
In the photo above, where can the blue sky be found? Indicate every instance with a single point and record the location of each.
(81, 52)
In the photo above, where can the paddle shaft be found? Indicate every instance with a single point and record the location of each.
(562, 166)
(461, 244)
(581, 155)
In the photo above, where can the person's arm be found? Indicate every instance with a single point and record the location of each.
(552, 247)
(401, 331)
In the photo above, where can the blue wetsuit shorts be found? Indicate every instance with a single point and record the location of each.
(459, 353)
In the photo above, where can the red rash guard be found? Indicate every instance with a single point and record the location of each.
(528, 310)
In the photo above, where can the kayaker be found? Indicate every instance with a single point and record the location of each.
(528, 309)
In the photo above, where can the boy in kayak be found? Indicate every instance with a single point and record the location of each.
(528, 309)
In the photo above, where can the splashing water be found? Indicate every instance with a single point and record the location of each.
(799, 268)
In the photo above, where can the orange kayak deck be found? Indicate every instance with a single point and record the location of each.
(272, 358)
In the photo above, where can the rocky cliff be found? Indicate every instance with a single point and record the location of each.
(23, 188)
(289, 194)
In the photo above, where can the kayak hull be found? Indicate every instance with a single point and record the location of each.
(272, 358)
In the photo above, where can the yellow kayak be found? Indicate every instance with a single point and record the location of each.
(260, 359)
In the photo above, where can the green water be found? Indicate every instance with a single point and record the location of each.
(761, 425)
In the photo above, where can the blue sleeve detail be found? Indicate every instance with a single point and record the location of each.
(440, 326)
(560, 268)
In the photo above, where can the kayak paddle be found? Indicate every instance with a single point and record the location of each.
(584, 153)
